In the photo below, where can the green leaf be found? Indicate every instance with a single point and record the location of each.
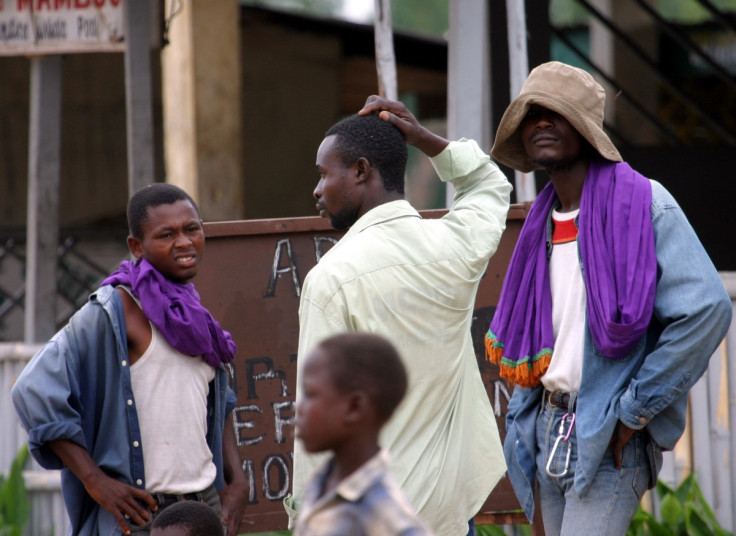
(663, 489)
(695, 524)
(707, 512)
(658, 529)
(670, 510)
(489, 530)
(642, 516)
(686, 490)
(14, 505)
(682, 510)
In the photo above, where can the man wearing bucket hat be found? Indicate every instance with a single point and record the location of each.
(608, 315)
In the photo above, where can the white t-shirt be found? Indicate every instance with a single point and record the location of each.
(568, 306)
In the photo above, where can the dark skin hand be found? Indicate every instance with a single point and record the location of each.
(398, 115)
(118, 498)
(621, 436)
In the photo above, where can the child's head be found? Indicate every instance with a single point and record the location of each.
(352, 379)
(166, 230)
(187, 518)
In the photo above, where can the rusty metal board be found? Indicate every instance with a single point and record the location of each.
(251, 279)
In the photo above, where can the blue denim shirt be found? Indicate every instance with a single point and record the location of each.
(648, 388)
(78, 387)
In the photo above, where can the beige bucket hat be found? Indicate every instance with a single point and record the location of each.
(562, 88)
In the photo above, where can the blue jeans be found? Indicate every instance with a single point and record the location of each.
(610, 503)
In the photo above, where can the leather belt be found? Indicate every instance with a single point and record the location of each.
(167, 499)
(557, 399)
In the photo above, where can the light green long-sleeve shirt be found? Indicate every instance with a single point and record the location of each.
(414, 281)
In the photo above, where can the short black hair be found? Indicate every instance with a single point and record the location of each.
(153, 195)
(199, 518)
(367, 362)
(380, 142)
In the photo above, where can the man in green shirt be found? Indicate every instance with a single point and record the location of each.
(413, 281)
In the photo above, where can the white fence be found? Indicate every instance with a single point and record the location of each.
(48, 517)
(710, 437)
(705, 447)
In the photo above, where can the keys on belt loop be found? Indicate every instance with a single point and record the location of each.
(562, 437)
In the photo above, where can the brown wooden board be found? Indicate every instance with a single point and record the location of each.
(251, 279)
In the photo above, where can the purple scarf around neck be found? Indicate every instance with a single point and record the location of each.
(176, 311)
(616, 241)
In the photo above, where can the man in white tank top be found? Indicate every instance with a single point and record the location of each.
(133, 400)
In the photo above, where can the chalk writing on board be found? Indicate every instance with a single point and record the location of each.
(270, 373)
(319, 245)
(241, 422)
(273, 470)
(500, 390)
(285, 262)
(266, 419)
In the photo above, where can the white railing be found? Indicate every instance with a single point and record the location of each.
(48, 516)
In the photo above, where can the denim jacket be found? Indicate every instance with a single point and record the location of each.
(78, 387)
(648, 388)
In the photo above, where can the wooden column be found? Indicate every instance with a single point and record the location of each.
(469, 91)
(524, 184)
(201, 79)
(468, 99)
(44, 157)
(385, 60)
(138, 94)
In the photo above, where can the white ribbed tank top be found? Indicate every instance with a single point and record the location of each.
(170, 391)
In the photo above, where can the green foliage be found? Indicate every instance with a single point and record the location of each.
(489, 530)
(567, 13)
(429, 17)
(495, 530)
(14, 505)
(689, 12)
(682, 511)
(324, 8)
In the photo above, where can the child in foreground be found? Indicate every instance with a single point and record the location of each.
(188, 518)
(352, 383)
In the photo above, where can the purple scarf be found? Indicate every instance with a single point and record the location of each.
(616, 241)
(176, 311)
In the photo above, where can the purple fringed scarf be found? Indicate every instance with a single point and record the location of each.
(176, 311)
(619, 261)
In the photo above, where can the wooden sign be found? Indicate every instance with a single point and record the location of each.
(37, 27)
(251, 280)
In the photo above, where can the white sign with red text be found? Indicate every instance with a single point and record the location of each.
(36, 27)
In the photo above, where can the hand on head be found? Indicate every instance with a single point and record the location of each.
(394, 112)
(397, 114)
